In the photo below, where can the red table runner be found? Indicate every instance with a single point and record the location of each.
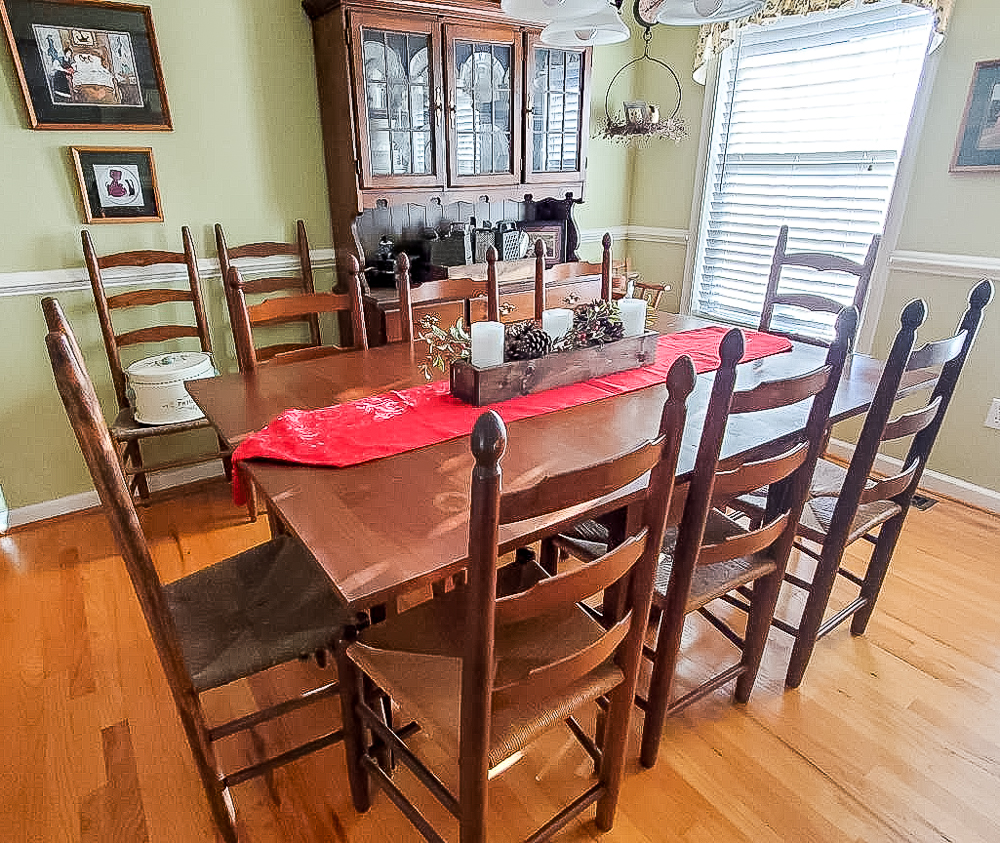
(394, 422)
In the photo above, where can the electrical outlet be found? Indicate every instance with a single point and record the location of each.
(993, 416)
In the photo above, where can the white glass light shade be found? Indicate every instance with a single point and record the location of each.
(604, 27)
(546, 11)
(698, 12)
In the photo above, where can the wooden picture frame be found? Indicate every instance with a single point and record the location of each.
(117, 184)
(89, 65)
(637, 113)
(978, 145)
(553, 234)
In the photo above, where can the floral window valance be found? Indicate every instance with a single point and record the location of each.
(713, 39)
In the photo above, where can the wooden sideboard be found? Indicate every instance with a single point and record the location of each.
(438, 102)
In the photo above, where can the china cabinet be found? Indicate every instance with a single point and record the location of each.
(443, 104)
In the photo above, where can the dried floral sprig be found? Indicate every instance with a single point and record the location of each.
(443, 345)
(621, 131)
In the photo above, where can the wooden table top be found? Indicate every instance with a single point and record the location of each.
(382, 527)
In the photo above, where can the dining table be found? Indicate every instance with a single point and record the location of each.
(388, 526)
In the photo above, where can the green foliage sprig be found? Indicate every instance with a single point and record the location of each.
(443, 345)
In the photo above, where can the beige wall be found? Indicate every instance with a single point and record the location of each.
(246, 151)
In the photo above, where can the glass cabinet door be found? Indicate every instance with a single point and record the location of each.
(557, 113)
(398, 91)
(484, 86)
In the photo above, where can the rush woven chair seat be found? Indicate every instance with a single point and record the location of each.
(792, 271)
(847, 505)
(230, 620)
(708, 555)
(156, 309)
(484, 675)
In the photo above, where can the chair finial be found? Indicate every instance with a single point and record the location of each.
(913, 314)
(489, 439)
(731, 348)
(982, 293)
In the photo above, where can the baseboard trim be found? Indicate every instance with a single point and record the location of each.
(931, 481)
(22, 516)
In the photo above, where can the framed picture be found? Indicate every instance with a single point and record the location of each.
(978, 146)
(117, 184)
(90, 65)
(636, 113)
(553, 234)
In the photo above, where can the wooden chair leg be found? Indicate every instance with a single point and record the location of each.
(548, 557)
(763, 600)
(227, 461)
(820, 590)
(354, 731)
(612, 768)
(878, 567)
(668, 643)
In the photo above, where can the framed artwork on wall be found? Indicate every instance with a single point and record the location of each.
(90, 65)
(553, 234)
(117, 184)
(978, 146)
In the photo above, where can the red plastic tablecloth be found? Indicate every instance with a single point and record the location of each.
(394, 422)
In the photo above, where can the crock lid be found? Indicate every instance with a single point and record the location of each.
(168, 367)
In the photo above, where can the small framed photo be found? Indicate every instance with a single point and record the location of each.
(117, 184)
(978, 146)
(636, 113)
(553, 234)
(91, 65)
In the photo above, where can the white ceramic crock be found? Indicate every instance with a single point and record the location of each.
(157, 386)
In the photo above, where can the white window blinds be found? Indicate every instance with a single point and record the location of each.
(810, 116)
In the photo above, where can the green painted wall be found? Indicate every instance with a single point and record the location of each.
(246, 150)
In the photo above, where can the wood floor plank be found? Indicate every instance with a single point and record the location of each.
(893, 736)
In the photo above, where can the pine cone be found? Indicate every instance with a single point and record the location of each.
(596, 322)
(528, 344)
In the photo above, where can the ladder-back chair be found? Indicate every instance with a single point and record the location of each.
(485, 675)
(784, 296)
(295, 276)
(709, 554)
(572, 269)
(265, 606)
(157, 307)
(282, 309)
(448, 289)
(846, 505)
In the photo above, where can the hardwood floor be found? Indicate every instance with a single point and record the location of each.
(894, 736)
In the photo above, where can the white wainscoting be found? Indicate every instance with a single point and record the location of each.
(47, 282)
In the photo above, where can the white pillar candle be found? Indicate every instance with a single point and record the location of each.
(487, 344)
(556, 322)
(633, 313)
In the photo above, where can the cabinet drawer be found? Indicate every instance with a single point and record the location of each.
(570, 295)
(514, 307)
(447, 313)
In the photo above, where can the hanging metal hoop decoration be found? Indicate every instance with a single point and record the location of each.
(646, 37)
(643, 126)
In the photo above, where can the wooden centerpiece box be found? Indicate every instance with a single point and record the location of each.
(559, 368)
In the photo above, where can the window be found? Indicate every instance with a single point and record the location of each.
(810, 117)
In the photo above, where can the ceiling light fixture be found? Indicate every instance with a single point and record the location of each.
(700, 12)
